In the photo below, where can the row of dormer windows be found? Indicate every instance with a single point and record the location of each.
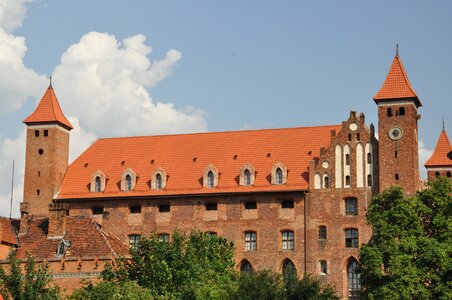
(210, 178)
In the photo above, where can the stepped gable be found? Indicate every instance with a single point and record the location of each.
(86, 237)
(442, 155)
(48, 111)
(396, 84)
(184, 158)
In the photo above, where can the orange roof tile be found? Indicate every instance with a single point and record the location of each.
(8, 232)
(48, 110)
(184, 158)
(86, 238)
(440, 154)
(396, 85)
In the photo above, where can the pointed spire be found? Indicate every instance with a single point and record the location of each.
(48, 111)
(396, 85)
(440, 154)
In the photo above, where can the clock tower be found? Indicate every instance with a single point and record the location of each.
(398, 131)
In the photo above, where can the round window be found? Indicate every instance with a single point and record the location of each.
(395, 133)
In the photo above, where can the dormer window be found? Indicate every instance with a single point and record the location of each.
(128, 180)
(210, 178)
(159, 179)
(279, 173)
(62, 247)
(98, 182)
(247, 175)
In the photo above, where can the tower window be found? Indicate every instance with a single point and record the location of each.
(287, 240)
(401, 111)
(347, 159)
(369, 158)
(322, 232)
(39, 173)
(323, 267)
(448, 174)
(396, 176)
(395, 154)
(36, 133)
(326, 182)
(369, 180)
(38, 192)
(349, 137)
(250, 241)
(389, 111)
(358, 136)
(347, 180)
(351, 207)
(40, 151)
(351, 238)
(46, 132)
(211, 206)
(436, 174)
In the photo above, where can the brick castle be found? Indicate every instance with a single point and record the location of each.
(292, 199)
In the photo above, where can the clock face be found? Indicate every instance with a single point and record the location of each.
(395, 133)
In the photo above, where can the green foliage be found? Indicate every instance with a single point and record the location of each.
(190, 266)
(34, 284)
(111, 290)
(309, 288)
(409, 255)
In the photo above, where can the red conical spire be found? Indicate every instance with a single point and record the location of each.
(396, 85)
(48, 111)
(440, 156)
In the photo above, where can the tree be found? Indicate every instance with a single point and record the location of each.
(309, 288)
(189, 266)
(111, 290)
(34, 284)
(409, 255)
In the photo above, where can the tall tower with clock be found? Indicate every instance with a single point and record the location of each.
(398, 131)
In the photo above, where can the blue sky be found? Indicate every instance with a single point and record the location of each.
(217, 65)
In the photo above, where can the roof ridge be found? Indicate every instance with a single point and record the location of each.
(102, 233)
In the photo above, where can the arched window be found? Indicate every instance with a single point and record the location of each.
(347, 180)
(128, 186)
(347, 159)
(289, 270)
(369, 158)
(326, 181)
(396, 176)
(62, 247)
(354, 277)
(158, 181)
(245, 267)
(247, 178)
(287, 240)
(369, 180)
(98, 184)
(210, 179)
(279, 176)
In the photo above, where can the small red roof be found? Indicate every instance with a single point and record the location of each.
(440, 156)
(48, 110)
(8, 234)
(396, 85)
(184, 158)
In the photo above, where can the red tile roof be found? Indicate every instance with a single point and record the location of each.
(86, 237)
(48, 110)
(442, 149)
(184, 158)
(396, 85)
(8, 234)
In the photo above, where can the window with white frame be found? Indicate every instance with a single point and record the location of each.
(134, 241)
(288, 240)
(250, 241)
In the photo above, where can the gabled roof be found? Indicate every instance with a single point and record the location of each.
(396, 85)
(8, 232)
(48, 111)
(440, 157)
(184, 158)
(86, 238)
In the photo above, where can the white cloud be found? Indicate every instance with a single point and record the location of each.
(105, 84)
(424, 155)
(12, 13)
(79, 139)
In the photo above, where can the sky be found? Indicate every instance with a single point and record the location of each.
(122, 68)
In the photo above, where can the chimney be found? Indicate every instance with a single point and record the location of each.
(57, 220)
(25, 217)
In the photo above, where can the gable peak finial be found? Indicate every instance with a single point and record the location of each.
(50, 81)
(443, 125)
(397, 50)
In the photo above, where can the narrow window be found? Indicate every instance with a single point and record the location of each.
(211, 206)
(289, 271)
(351, 207)
(158, 181)
(38, 192)
(369, 180)
(62, 247)
(349, 137)
(39, 173)
(436, 174)
(389, 111)
(347, 180)
(36, 133)
(250, 205)
(287, 240)
(347, 159)
(369, 158)
(358, 136)
(98, 184)
(396, 176)
(128, 183)
(46, 132)
(351, 238)
(287, 204)
(401, 111)
(245, 267)
(210, 179)
(97, 210)
(395, 154)
(163, 208)
(279, 176)
(164, 237)
(134, 241)
(250, 241)
(135, 209)
(448, 174)
(354, 281)
(323, 267)
(322, 232)
(326, 182)
(247, 178)
(40, 151)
